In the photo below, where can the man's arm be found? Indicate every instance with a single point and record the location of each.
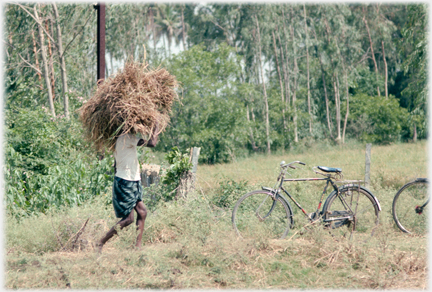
(153, 139)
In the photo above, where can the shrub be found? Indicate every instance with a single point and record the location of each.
(179, 164)
(229, 192)
(376, 119)
(47, 165)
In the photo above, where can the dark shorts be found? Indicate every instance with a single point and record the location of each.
(126, 194)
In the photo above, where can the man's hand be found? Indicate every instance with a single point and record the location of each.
(153, 139)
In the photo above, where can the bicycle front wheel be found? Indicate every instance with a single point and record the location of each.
(258, 214)
(410, 210)
(353, 208)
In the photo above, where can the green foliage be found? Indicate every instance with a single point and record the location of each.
(48, 165)
(229, 192)
(212, 114)
(40, 140)
(179, 165)
(376, 119)
(415, 65)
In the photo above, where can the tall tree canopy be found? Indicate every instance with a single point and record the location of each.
(255, 77)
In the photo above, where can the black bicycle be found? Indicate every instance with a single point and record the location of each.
(410, 211)
(267, 212)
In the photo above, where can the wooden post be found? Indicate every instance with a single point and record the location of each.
(367, 166)
(150, 174)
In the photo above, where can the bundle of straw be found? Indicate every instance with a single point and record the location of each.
(132, 101)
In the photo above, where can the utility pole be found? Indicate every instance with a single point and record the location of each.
(100, 48)
(100, 7)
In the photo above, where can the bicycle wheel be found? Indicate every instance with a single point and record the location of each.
(258, 214)
(353, 209)
(410, 211)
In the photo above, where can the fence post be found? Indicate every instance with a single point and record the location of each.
(367, 166)
(194, 158)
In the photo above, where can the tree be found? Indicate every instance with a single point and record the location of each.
(62, 62)
(415, 66)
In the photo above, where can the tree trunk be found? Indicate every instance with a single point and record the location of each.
(338, 114)
(307, 69)
(286, 81)
(254, 147)
(344, 69)
(267, 122)
(324, 87)
(183, 28)
(280, 79)
(326, 98)
(347, 107)
(335, 86)
(36, 57)
(62, 63)
(51, 61)
(285, 64)
(44, 59)
(294, 96)
(372, 51)
(385, 71)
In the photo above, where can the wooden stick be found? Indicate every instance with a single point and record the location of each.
(76, 234)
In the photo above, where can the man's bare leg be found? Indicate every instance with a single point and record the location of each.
(122, 223)
(142, 214)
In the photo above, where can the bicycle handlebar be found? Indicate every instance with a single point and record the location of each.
(283, 164)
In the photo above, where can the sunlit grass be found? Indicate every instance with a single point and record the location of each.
(191, 244)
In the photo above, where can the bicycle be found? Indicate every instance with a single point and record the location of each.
(409, 207)
(267, 212)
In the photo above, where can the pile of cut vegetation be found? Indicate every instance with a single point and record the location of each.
(131, 101)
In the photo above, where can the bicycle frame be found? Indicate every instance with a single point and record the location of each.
(328, 179)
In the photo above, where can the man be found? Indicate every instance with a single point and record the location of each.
(127, 188)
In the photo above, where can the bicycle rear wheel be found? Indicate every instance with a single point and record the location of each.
(353, 209)
(257, 214)
(410, 210)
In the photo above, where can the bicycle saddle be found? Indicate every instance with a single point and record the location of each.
(329, 169)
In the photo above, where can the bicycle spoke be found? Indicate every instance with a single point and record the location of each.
(353, 209)
(257, 214)
(410, 210)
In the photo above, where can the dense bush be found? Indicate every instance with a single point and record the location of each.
(47, 164)
(377, 119)
(212, 112)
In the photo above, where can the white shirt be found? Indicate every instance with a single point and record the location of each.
(126, 157)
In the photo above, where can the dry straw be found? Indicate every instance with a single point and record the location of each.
(132, 101)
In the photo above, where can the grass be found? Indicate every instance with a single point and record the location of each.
(190, 244)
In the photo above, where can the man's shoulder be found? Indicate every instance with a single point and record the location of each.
(127, 139)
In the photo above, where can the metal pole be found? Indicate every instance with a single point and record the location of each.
(100, 7)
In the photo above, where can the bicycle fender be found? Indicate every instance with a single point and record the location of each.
(370, 193)
(283, 198)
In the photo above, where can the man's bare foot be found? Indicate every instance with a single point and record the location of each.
(99, 247)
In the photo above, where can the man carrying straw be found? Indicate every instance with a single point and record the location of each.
(127, 188)
(136, 100)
